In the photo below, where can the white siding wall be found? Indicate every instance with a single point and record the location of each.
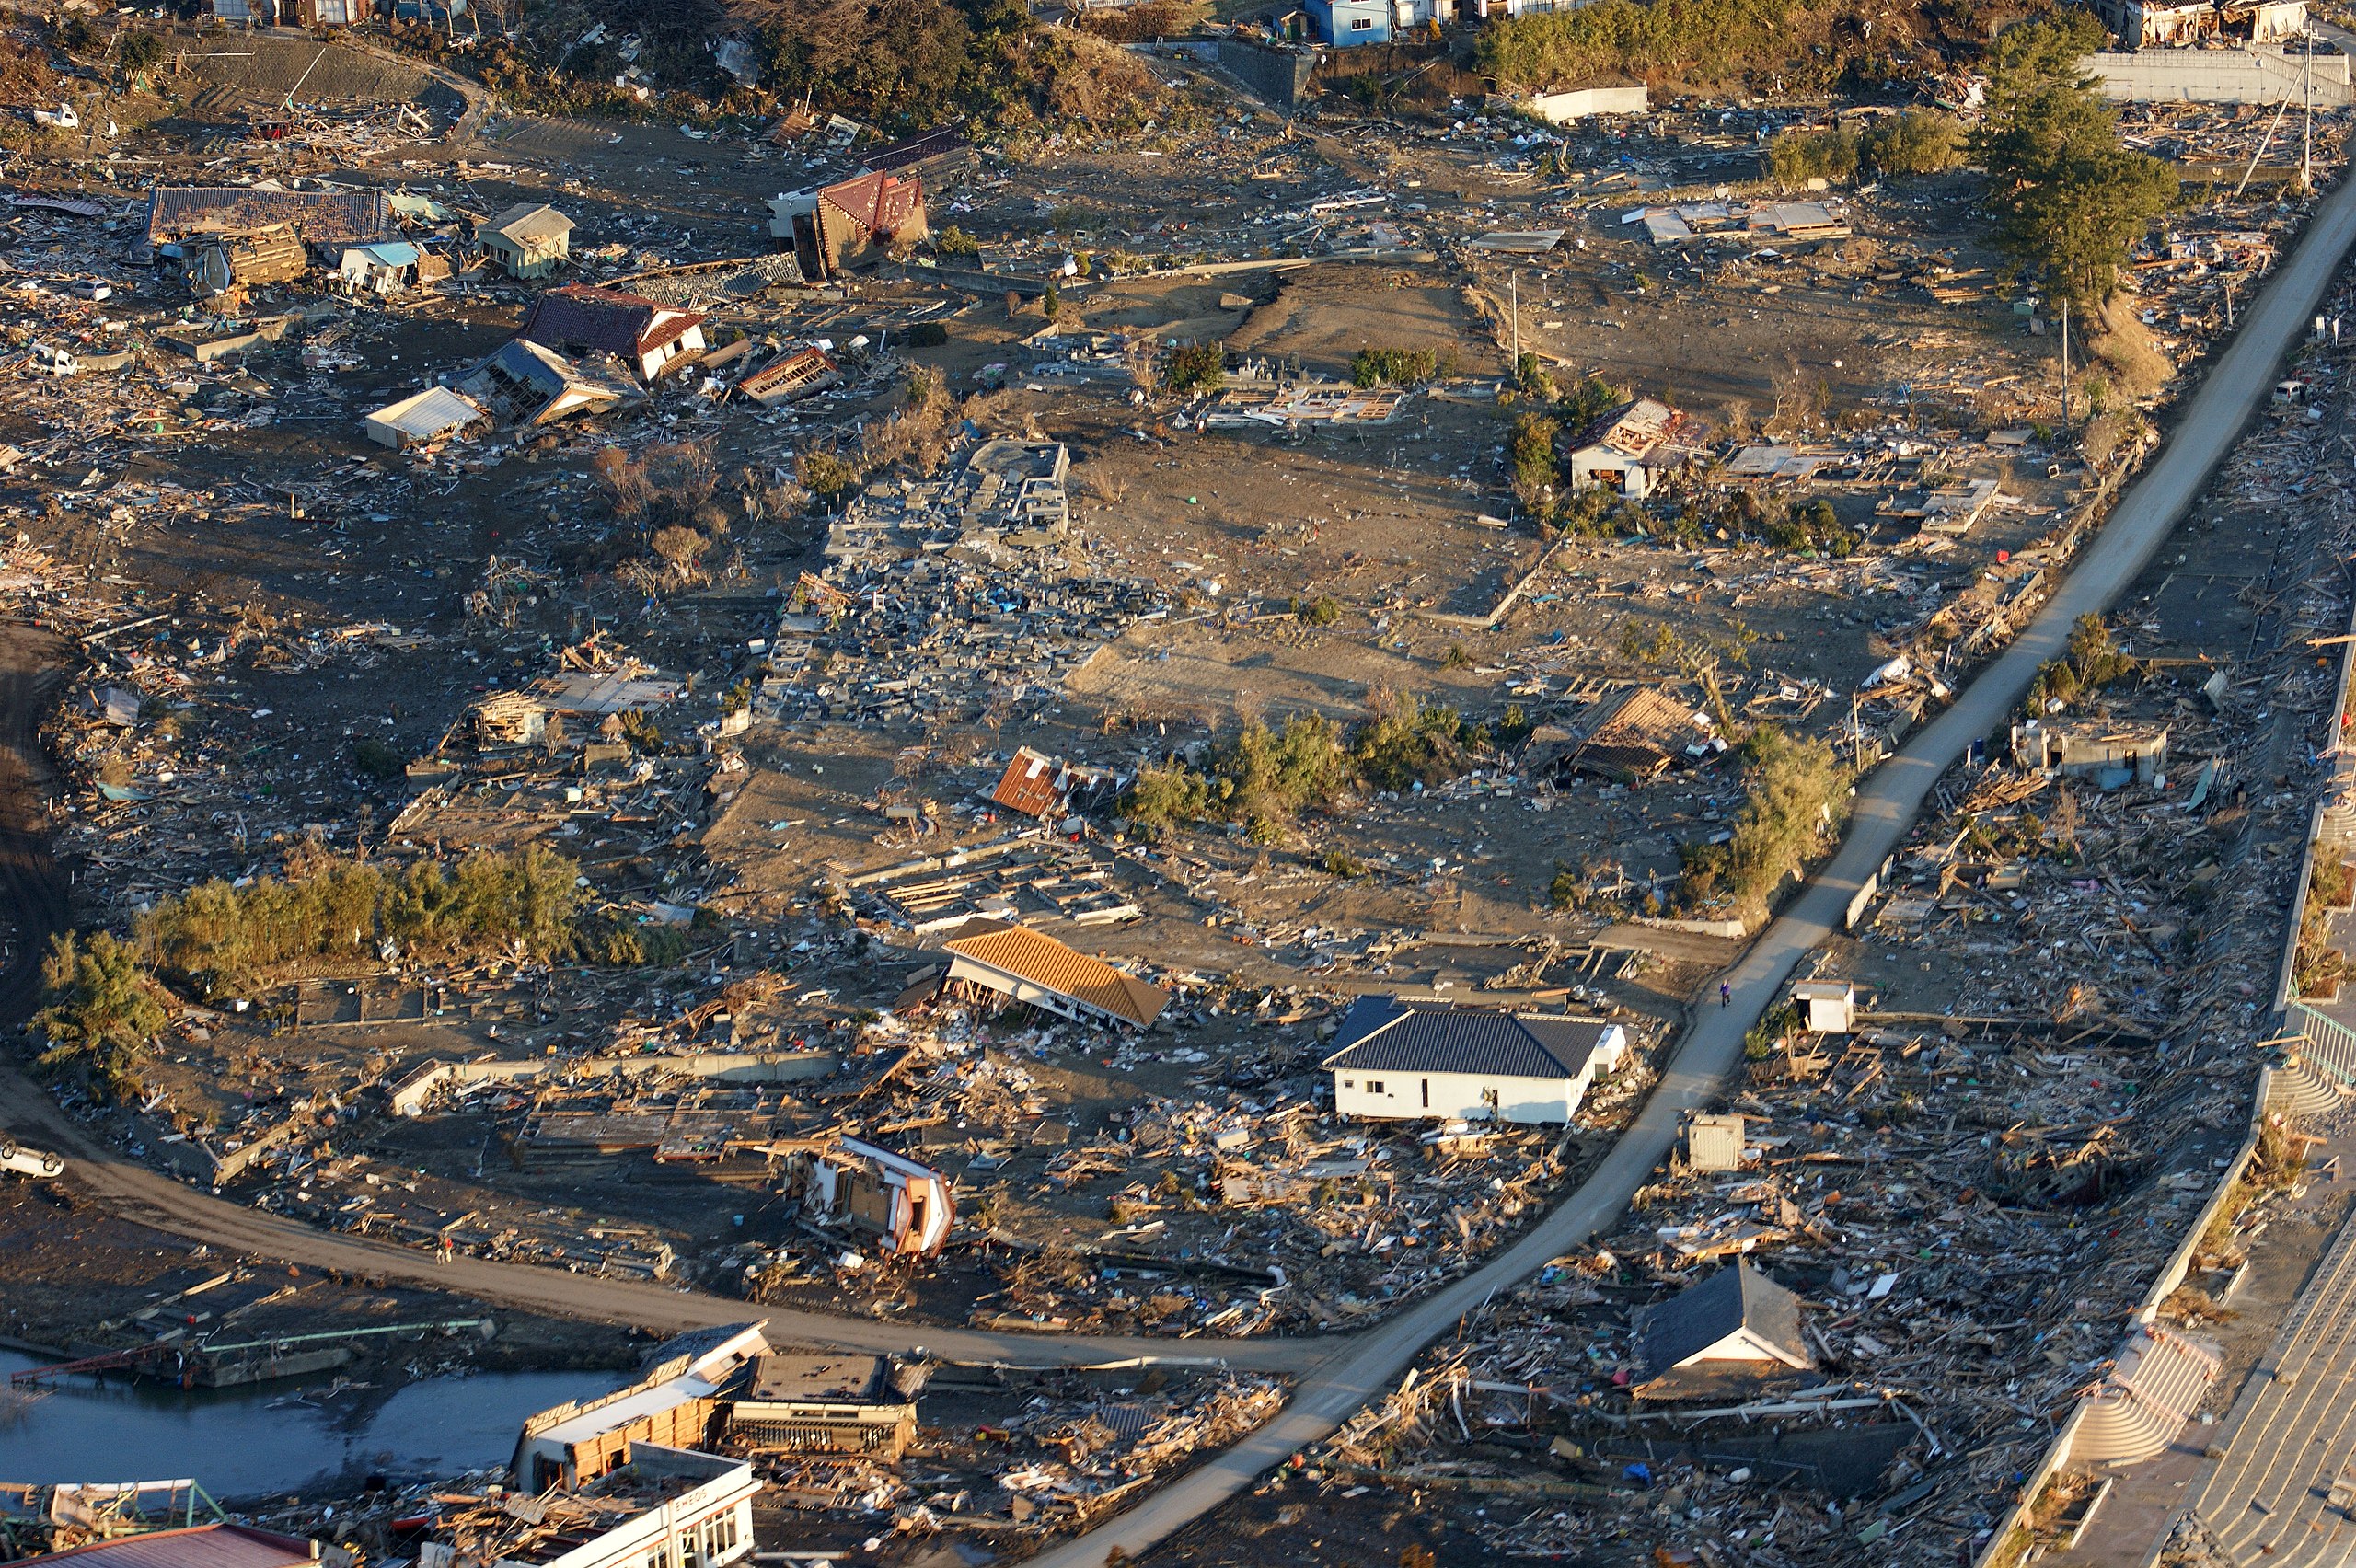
(1405, 1095)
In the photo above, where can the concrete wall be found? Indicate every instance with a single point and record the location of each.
(1561, 109)
(1279, 76)
(2220, 76)
(410, 1095)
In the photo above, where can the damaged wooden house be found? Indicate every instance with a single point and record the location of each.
(853, 223)
(648, 336)
(1037, 785)
(998, 964)
(1630, 736)
(233, 238)
(906, 1207)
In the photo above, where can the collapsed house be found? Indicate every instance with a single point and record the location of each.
(2111, 752)
(1632, 449)
(387, 268)
(2141, 25)
(1014, 964)
(243, 237)
(523, 383)
(791, 377)
(1637, 734)
(722, 1384)
(1395, 1060)
(1037, 785)
(661, 1504)
(528, 240)
(1728, 1336)
(645, 334)
(852, 223)
(904, 1205)
(216, 1545)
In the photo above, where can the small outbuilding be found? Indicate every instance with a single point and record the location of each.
(1721, 1336)
(2112, 753)
(1827, 1006)
(431, 415)
(1402, 1060)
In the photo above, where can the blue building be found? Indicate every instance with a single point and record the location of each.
(1345, 23)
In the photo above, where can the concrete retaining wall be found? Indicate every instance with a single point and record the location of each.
(1280, 75)
(410, 1095)
(2221, 76)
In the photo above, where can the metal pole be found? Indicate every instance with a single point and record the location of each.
(2307, 92)
(1513, 275)
(2065, 363)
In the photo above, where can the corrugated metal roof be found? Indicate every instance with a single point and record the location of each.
(423, 415)
(205, 1546)
(1384, 1034)
(1030, 784)
(1025, 955)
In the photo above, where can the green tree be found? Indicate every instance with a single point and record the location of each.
(1917, 142)
(1530, 457)
(100, 1018)
(1195, 367)
(1589, 401)
(2069, 199)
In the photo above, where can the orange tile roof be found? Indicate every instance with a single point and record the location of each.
(1025, 955)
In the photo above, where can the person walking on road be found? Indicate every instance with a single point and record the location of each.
(1725, 995)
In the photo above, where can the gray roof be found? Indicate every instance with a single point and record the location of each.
(530, 220)
(1384, 1034)
(1708, 1311)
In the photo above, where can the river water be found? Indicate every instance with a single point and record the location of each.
(253, 1443)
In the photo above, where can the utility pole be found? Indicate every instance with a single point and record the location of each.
(2307, 92)
(2065, 364)
(1513, 276)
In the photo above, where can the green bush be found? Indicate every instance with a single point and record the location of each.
(1408, 742)
(1796, 795)
(1589, 401)
(1811, 528)
(953, 241)
(377, 760)
(2091, 661)
(619, 944)
(1334, 862)
(1796, 156)
(1699, 38)
(1916, 142)
(1530, 459)
(1323, 610)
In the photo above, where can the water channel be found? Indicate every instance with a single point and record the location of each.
(252, 1443)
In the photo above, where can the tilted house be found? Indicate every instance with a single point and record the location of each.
(1409, 1060)
(906, 1206)
(644, 334)
(858, 219)
(1724, 1335)
(1022, 965)
(225, 237)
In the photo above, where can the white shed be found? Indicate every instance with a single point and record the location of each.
(422, 416)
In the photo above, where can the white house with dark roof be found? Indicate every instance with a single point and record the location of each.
(1412, 1060)
(1723, 1335)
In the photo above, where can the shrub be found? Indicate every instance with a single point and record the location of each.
(1323, 610)
(376, 760)
(1407, 741)
(1811, 528)
(1334, 862)
(1796, 795)
(1796, 156)
(2091, 661)
(1589, 401)
(1530, 459)
(825, 474)
(954, 241)
(1916, 142)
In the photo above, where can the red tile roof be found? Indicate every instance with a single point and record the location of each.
(877, 202)
(1023, 953)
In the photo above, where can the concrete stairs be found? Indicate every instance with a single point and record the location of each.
(2159, 1383)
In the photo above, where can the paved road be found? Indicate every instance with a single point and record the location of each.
(1334, 1376)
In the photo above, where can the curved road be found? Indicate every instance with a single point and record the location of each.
(1334, 1376)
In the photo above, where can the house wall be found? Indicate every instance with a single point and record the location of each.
(1347, 23)
(1601, 466)
(1562, 108)
(708, 1526)
(518, 263)
(1417, 1096)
